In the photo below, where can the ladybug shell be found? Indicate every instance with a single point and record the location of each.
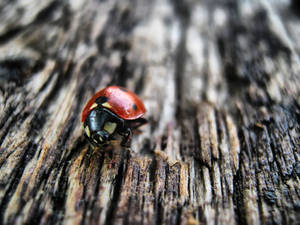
(121, 101)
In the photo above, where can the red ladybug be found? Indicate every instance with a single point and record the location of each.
(114, 111)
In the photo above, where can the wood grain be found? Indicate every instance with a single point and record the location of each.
(220, 81)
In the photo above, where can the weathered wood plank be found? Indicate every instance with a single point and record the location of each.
(220, 80)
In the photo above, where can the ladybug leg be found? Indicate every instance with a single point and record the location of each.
(140, 122)
(126, 138)
(135, 124)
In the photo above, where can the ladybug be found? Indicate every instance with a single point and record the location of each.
(111, 114)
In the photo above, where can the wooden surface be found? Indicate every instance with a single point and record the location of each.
(220, 80)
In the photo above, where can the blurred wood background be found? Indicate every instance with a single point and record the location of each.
(220, 80)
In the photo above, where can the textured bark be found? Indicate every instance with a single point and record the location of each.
(220, 80)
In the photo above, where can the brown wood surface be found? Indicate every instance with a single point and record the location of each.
(221, 83)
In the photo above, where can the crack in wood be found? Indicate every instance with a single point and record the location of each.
(220, 83)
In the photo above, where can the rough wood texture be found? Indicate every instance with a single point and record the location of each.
(220, 80)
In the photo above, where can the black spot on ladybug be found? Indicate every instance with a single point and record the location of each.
(101, 100)
(134, 106)
(123, 89)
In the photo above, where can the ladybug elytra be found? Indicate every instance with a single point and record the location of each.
(112, 112)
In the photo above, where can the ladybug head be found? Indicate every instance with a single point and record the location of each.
(99, 138)
(98, 127)
(96, 137)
